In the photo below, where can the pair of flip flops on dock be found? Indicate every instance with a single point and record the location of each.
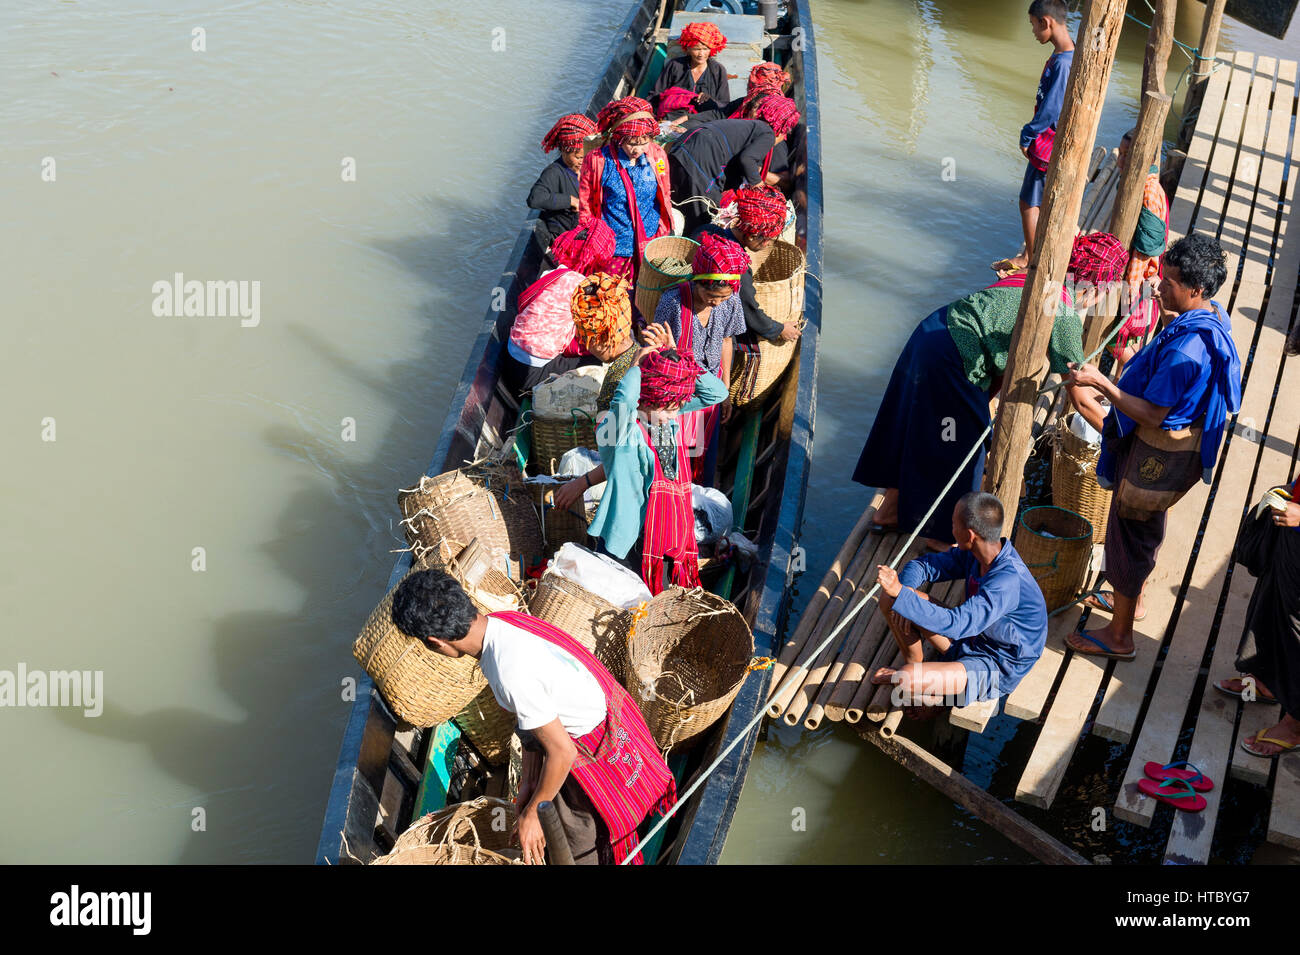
(1178, 784)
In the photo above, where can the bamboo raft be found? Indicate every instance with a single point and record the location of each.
(1238, 185)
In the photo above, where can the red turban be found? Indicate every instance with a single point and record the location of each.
(587, 248)
(762, 211)
(628, 118)
(780, 113)
(767, 76)
(1099, 258)
(675, 98)
(568, 133)
(703, 34)
(668, 379)
(719, 259)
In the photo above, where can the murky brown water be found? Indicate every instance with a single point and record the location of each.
(275, 443)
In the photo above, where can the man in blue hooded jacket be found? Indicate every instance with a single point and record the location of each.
(1187, 377)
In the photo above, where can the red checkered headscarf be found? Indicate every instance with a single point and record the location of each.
(762, 211)
(703, 34)
(628, 118)
(780, 113)
(1099, 258)
(568, 133)
(587, 248)
(719, 259)
(668, 379)
(675, 98)
(767, 76)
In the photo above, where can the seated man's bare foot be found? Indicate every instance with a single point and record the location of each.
(884, 676)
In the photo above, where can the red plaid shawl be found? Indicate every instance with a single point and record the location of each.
(618, 765)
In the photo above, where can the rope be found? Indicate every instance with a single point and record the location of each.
(795, 676)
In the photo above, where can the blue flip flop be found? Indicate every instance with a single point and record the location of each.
(1102, 650)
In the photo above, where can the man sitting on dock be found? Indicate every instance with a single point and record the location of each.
(587, 747)
(988, 642)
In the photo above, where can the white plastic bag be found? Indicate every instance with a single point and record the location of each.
(599, 574)
(1081, 429)
(574, 464)
(713, 517)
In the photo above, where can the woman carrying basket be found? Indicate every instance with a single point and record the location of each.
(625, 182)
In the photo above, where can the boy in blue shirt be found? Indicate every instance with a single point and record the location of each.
(989, 641)
(1047, 20)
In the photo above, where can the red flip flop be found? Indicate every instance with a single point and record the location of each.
(1193, 776)
(1177, 792)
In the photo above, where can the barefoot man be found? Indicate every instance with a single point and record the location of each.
(988, 642)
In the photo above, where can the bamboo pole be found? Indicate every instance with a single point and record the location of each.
(859, 571)
(1150, 125)
(866, 617)
(890, 724)
(1084, 95)
(817, 602)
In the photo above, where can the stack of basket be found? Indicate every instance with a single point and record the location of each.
(688, 654)
(655, 278)
(778, 285)
(589, 618)
(560, 525)
(489, 502)
(1074, 478)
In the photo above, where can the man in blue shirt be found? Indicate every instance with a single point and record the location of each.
(988, 642)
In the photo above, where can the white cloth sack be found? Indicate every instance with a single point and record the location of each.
(599, 574)
(713, 518)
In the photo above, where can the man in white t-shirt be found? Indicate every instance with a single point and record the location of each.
(554, 695)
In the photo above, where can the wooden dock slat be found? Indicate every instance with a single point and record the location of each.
(1254, 717)
(974, 717)
(1183, 202)
(1212, 144)
(1167, 703)
(1061, 731)
(1218, 177)
(1284, 816)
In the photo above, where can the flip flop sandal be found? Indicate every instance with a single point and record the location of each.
(1261, 738)
(1176, 792)
(1103, 600)
(1236, 694)
(1102, 651)
(1193, 776)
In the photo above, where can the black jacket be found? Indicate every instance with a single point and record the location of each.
(551, 194)
(757, 320)
(712, 82)
(722, 155)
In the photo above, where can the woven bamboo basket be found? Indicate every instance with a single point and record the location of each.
(488, 727)
(1074, 479)
(688, 654)
(477, 832)
(420, 686)
(1059, 562)
(552, 437)
(653, 282)
(488, 502)
(560, 526)
(778, 280)
(589, 618)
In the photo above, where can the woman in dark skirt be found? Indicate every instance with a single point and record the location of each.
(937, 402)
(1270, 647)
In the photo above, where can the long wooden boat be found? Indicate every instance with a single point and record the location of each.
(388, 773)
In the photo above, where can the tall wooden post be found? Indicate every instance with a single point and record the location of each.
(1151, 122)
(1057, 224)
(1208, 47)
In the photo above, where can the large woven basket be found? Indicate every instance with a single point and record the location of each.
(755, 374)
(423, 687)
(653, 282)
(1074, 478)
(778, 280)
(552, 437)
(489, 502)
(477, 832)
(561, 526)
(589, 618)
(1056, 546)
(687, 657)
(488, 727)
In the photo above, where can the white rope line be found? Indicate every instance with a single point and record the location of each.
(798, 673)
